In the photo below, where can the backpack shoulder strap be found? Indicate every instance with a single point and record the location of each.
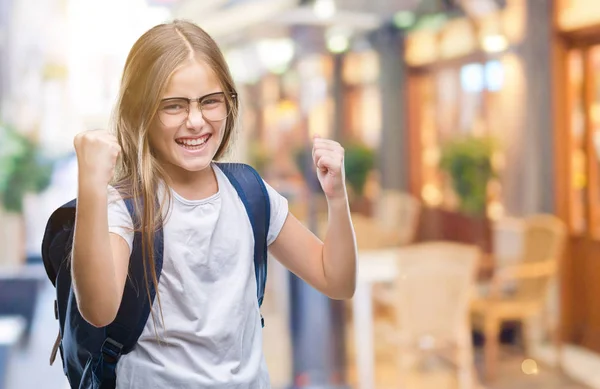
(118, 338)
(123, 333)
(252, 191)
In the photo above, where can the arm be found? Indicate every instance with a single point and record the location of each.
(328, 266)
(100, 259)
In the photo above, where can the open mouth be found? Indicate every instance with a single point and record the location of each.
(193, 143)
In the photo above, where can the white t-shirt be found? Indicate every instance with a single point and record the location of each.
(212, 334)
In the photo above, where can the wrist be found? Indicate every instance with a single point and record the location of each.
(88, 186)
(338, 203)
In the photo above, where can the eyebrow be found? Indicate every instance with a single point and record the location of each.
(189, 98)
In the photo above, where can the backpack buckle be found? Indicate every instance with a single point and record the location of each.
(111, 350)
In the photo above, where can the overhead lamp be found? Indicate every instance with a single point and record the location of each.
(338, 44)
(324, 9)
(495, 43)
(276, 54)
(338, 39)
(404, 19)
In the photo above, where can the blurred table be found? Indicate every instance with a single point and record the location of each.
(374, 266)
(379, 266)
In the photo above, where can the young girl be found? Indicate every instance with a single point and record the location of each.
(175, 115)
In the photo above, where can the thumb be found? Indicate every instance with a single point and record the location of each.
(321, 166)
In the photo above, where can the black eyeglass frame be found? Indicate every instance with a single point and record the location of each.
(199, 100)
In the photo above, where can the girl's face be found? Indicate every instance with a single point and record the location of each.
(188, 142)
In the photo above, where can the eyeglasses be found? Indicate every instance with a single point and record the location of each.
(174, 111)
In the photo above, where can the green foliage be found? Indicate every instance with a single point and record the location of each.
(303, 160)
(359, 161)
(468, 162)
(23, 169)
(259, 157)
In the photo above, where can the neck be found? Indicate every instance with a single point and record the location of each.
(193, 185)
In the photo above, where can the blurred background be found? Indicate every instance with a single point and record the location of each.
(472, 138)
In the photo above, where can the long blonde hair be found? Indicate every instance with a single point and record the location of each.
(152, 60)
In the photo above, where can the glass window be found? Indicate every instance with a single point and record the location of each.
(578, 170)
(452, 101)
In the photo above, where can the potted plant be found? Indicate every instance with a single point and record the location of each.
(23, 169)
(359, 161)
(468, 163)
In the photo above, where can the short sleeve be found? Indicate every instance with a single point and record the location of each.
(119, 220)
(279, 213)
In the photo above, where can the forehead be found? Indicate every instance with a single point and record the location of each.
(191, 79)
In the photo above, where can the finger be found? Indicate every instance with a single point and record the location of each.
(112, 138)
(320, 140)
(116, 152)
(327, 144)
(328, 163)
(319, 153)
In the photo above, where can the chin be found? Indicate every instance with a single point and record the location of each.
(196, 166)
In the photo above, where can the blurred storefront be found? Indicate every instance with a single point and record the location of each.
(467, 77)
(577, 137)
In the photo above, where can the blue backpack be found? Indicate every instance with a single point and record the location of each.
(90, 354)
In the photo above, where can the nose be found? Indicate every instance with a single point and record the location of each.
(195, 120)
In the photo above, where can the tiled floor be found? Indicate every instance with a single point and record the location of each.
(510, 375)
(510, 378)
(436, 376)
(30, 369)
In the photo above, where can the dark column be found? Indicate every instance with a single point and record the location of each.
(316, 321)
(536, 180)
(393, 154)
(337, 90)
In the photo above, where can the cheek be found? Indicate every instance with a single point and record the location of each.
(159, 139)
(221, 128)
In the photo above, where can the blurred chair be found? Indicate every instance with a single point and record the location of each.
(519, 291)
(397, 213)
(394, 223)
(371, 234)
(400, 212)
(432, 294)
(507, 236)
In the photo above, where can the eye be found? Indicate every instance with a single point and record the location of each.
(212, 102)
(174, 107)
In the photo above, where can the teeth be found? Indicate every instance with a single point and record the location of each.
(194, 142)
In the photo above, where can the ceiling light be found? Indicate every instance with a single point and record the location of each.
(324, 9)
(495, 43)
(404, 19)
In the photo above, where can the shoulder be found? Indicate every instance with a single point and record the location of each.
(236, 168)
(243, 177)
